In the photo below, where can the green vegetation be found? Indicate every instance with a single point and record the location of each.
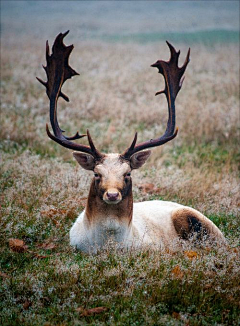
(136, 288)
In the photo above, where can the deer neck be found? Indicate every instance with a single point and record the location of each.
(104, 218)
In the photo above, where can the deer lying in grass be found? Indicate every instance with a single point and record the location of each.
(110, 212)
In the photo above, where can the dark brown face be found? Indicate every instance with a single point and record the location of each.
(113, 179)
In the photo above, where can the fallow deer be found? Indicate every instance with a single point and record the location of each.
(110, 212)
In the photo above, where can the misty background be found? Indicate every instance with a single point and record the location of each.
(124, 21)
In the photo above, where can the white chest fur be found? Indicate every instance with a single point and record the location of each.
(151, 224)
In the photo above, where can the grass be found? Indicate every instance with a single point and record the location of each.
(205, 154)
(43, 190)
(136, 288)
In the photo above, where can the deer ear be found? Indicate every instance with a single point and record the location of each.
(138, 159)
(85, 160)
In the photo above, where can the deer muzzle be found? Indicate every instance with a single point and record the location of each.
(112, 196)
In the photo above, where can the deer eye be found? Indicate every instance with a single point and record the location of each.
(127, 176)
(96, 175)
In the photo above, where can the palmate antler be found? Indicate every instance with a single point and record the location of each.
(173, 76)
(58, 71)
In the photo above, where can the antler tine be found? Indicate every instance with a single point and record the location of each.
(58, 71)
(173, 76)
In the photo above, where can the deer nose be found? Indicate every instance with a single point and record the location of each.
(112, 196)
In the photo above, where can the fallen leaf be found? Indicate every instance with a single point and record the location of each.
(47, 245)
(91, 311)
(80, 309)
(147, 188)
(17, 245)
(177, 272)
(36, 255)
(27, 304)
(4, 275)
(208, 286)
(191, 254)
(176, 315)
(49, 212)
(235, 250)
(207, 249)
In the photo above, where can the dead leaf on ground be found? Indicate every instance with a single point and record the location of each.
(4, 275)
(207, 249)
(148, 188)
(36, 255)
(176, 315)
(17, 245)
(47, 245)
(91, 311)
(235, 250)
(177, 272)
(208, 286)
(27, 304)
(191, 254)
(52, 212)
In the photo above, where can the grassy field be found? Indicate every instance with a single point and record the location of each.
(45, 282)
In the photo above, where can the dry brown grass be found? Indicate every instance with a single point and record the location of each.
(114, 97)
(116, 88)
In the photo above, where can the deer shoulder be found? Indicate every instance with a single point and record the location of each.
(110, 214)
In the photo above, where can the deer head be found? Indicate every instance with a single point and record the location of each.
(112, 172)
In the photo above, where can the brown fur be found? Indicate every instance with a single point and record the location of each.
(96, 208)
(189, 223)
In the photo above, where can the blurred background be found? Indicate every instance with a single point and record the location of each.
(141, 21)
